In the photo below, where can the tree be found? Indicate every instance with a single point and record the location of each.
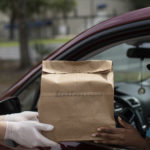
(64, 7)
(20, 7)
(33, 7)
(16, 9)
(21, 11)
(137, 4)
(8, 7)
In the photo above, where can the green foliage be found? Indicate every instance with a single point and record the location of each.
(6, 5)
(62, 6)
(37, 6)
(137, 4)
(32, 6)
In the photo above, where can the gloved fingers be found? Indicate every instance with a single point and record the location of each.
(23, 116)
(46, 142)
(44, 127)
(27, 133)
(33, 116)
(25, 148)
(30, 115)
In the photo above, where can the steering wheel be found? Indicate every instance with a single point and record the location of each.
(127, 113)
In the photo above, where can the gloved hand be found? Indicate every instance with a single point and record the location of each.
(23, 116)
(27, 134)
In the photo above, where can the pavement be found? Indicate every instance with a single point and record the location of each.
(9, 74)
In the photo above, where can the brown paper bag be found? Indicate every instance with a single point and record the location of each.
(77, 98)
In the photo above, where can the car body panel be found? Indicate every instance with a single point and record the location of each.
(64, 146)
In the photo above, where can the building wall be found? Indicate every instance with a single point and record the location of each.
(89, 7)
(84, 16)
(88, 14)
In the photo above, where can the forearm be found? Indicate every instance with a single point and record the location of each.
(2, 118)
(2, 130)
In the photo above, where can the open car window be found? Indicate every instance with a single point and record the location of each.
(125, 70)
(28, 98)
(131, 75)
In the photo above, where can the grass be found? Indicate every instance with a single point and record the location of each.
(41, 41)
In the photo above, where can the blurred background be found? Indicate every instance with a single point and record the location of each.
(32, 29)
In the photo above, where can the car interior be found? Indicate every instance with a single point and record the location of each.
(131, 61)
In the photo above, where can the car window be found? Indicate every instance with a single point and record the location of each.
(29, 96)
(125, 69)
(129, 71)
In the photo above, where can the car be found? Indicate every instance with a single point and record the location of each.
(121, 39)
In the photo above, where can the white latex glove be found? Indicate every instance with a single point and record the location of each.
(23, 116)
(27, 134)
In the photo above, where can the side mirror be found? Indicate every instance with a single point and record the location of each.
(10, 105)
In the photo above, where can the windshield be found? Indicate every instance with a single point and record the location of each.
(126, 69)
